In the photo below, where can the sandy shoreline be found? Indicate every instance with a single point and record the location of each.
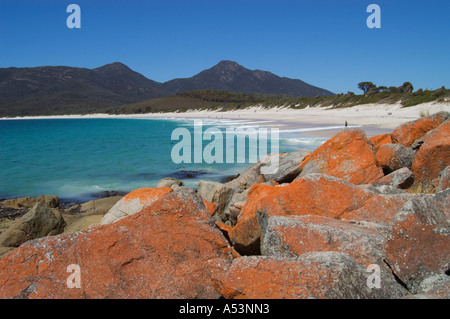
(374, 119)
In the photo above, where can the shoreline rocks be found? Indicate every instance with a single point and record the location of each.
(357, 218)
(40, 221)
(171, 249)
(134, 202)
(432, 158)
(348, 155)
(319, 196)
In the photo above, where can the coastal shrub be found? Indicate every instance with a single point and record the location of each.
(366, 86)
(407, 87)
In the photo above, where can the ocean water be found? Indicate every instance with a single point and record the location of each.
(79, 159)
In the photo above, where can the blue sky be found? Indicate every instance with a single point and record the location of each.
(323, 42)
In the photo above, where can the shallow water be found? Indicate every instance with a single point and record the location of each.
(78, 159)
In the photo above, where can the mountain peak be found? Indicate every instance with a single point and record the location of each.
(227, 65)
(115, 66)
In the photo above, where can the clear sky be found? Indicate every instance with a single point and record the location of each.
(323, 42)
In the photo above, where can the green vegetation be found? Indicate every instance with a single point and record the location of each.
(372, 94)
(202, 99)
(225, 101)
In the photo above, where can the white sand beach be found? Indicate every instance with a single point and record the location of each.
(374, 119)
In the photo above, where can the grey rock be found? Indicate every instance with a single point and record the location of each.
(418, 244)
(286, 171)
(297, 237)
(93, 207)
(417, 144)
(86, 215)
(402, 178)
(28, 202)
(40, 221)
(314, 275)
(288, 168)
(170, 182)
(245, 180)
(218, 193)
(403, 157)
(444, 182)
(293, 236)
(437, 286)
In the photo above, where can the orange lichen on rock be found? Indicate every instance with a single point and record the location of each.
(147, 195)
(318, 275)
(392, 157)
(134, 202)
(348, 155)
(171, 249)
(210, 207)
(314, 194)
(290, 237)
(409, 132)
(379, 140)
(418, 245)
(432, 158)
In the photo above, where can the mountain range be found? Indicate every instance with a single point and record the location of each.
(71, 90)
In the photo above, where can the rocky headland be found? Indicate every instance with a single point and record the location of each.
(356, 218)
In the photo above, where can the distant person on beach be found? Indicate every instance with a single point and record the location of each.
(346, 124)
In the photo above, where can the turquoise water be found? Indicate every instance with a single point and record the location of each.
(78, 159)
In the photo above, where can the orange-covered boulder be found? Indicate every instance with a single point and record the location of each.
(432, 158)
(314, 194)
(379, 140)
(171, 249)
(134, 202)
(407, 133)
(348, 155)
(418, 245)
(293, 236)
(318, 275)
